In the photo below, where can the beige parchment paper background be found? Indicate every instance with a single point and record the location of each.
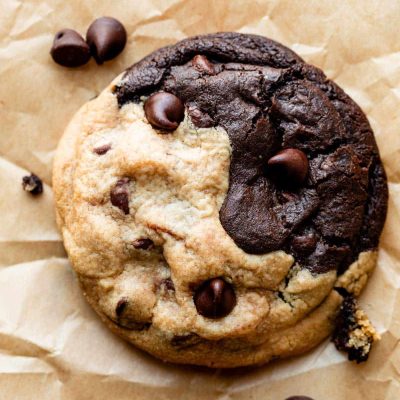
(52, 345)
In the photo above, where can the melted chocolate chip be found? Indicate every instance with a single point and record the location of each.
(185, 341)
(164, 111)
(70, 49)
(32, 184)
(124, 320)
(202, 64)
(215, 298)
(119, 195)
(133, 325)
(121, 306)
(106, 37)
(289, 167)
(143, 243)
(168, 284)
(102, 149)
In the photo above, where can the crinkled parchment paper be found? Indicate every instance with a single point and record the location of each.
(52, 345)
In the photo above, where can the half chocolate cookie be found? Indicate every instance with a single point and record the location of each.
(214, 198)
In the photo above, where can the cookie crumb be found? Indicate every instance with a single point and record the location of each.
(354, 333)
(32, 184)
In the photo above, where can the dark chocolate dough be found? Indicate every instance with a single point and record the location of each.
(268, 99)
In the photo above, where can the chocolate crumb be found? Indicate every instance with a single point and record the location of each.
(353, 334)
(32, 184)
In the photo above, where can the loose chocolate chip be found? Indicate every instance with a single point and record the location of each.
(215, 298)
(106, 37)
(299, 398)
(164, 111)
(119, 195)
(142, 244)
(121, 305)
(32, 184)
(202, 64)
(70, 49)
(289, 167)
(304, 244)
(102, 149)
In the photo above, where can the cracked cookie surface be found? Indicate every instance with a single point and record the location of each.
(149, 217)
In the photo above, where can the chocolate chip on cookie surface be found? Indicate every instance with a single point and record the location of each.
(221, 242)
(215, 298)
(164, 111)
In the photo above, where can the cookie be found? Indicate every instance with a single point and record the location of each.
(214, 197)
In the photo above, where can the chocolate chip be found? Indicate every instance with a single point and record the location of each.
(304, 244)
(299, 398)
(142, 244)
(106, 37)
(126, 321)
(119, 195)
(347, 322)
(185, 341)
(202, 64)
(132, 325)
(164, 111)
(289, 167)
(121, 305)
(102, 149)
(215, 298)
(168, 284)
(70, 49)
(32, 184)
